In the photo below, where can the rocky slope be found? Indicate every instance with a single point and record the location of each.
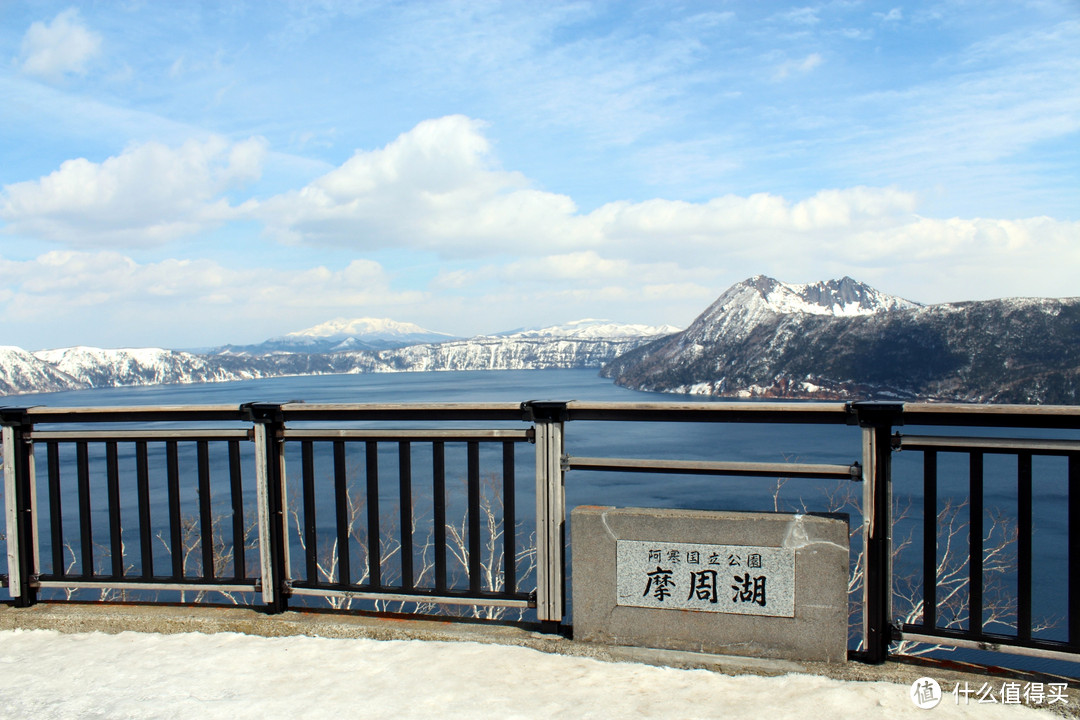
(845, 340)
(21, 372)
(97, 367)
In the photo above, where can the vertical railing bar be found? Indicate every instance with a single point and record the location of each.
(146, 532)
(236, 488)
(112, 474)
(1023, 546)
(509, 521)
(35, 508)
(264, 513)
(371, 452)
(341, 500)
(172, 475)
(56, 515)
(86, 534)
(311, 540)
(930, 530)
(438, 492)
(1074, 551)
(877, 420)
(550, 524)
(975, 543)
(475, 553)
(206, 520)
(270, 508)
(15, 570)
(280, 501)
(405, 503)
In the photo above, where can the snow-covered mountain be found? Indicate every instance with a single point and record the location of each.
(591, 329)
(21, 372)
(746, 305)
(98, 367)
(841, 298)
(588, 343)
(341, 334)
(844, 340)
(577, 344)
(381, 328)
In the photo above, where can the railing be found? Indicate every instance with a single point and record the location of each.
(202, 493)
(982, 630)
(200, 508)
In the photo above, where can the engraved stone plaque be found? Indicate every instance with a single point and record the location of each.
(767, 585)
(737, 579)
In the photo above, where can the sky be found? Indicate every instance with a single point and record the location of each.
(199, 173)
(52, 676)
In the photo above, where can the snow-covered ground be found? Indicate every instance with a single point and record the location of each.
(45, 674)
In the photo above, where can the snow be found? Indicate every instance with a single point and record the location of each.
(593, 329)
(45, 674)
(362, 327)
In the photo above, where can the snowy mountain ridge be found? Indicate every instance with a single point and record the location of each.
(101, 367)
(747, 305)
(21, 371)
(590, 328)
(838, 339)
(585, 343)
(365, 328)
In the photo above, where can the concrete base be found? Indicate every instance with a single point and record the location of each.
(817, 632)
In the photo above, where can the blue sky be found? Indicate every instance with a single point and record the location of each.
(187, 174)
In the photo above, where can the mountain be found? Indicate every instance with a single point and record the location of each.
(341, 334)
(591, 329)
(842, 339)
(587, 343)
(22, 372)
(97, 367)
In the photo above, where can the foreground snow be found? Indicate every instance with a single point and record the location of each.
(44, 674)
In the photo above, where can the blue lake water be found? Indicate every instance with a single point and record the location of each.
(744, 442)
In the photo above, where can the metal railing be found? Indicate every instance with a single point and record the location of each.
(344, 456)
(1018, 636)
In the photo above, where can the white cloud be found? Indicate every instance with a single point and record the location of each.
(801, 16)
(437, 196)
(63, 46)
(578, 270)
(81, 278)
(88, 291)
(438, 188)
(435, 187)
(798, 67)
(149, 194)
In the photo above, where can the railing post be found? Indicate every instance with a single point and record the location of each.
(877, 420)
(18, 506)
(268, 421)
(548, 419)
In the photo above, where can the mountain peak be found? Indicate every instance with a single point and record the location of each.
(745, 305)
(845, 297)
(364, 327)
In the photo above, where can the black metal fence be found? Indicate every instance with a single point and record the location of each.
(991, 603)
(136, 503)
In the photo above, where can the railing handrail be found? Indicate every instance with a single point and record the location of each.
(790, 411)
